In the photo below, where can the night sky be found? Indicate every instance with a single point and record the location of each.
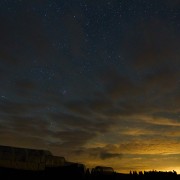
(95, 81)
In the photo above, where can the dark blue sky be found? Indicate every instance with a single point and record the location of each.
(93, 81)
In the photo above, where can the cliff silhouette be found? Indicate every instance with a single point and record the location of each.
(25, 163)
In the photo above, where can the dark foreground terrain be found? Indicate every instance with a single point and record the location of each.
(63, 173)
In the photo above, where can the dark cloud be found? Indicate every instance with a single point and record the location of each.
(155, 94)
(26, 125)
(164, 80)
(25, 87)
(54, 129)
(6, 57)
(79, 107)
(99, 152)
(71, 139)
(151, 44)
(172, 4)
(106, 155)
(117, 85)
(28, 37)
(25, 84)
(24, 131)
(20, 140)
(89, 124)
(12, 107)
